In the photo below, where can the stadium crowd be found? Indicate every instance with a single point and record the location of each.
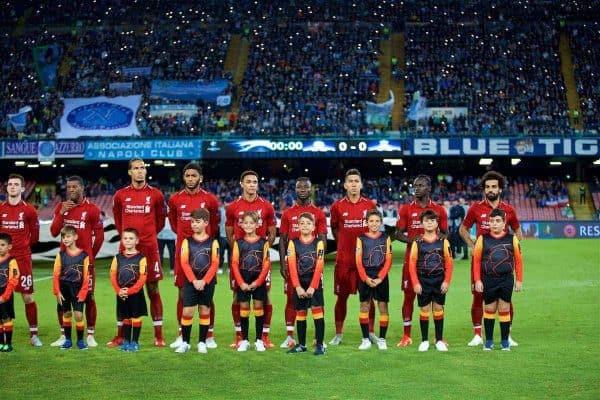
(311, 67)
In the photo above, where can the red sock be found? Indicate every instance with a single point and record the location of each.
(477, 312)
(179, 309)
(156, 311)
(91, 313)
(290, 316)
(407, 310)
(32, 317)
(211, 325)
(235, 314)
(372, 317)
(340, 311)
(267, 320)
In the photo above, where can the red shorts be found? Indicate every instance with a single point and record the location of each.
(153, 268)
(345, 281)
(25, 285)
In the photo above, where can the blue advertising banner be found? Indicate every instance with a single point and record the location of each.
(52, 148)
(189, 90)
(147, 149)
(136, 71)
(561, 230)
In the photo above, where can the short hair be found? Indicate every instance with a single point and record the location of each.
(308, 216)
(429, 214)
(200, 213)
(303, 179)
(131, 230)
(352, 171)
(426, 178)
(194, 166)
(251, 214)
(496, 212)
(17, 176)
(374, 211)
(246, 173)
(68, 230)
(6, 237)
(75, 178)
(135, 160)
(493, 176)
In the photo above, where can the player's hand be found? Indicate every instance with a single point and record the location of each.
(518, 286)
(479, 286)
(60, 298)
(376, 282)
(196, 283)
(418, 289)
(300, 292)
(2, 301)
(245, 287)
(310, 291)
(444, 287)
(66, 206)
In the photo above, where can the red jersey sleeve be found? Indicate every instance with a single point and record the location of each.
(321, 223)
(117, 211)
(443, 226)
(402, 218)
(98, 230)
(57, 221)
(284, 225)
(160, 215)
(34, 226)
(334, 219)
(172, 214)
(215, 216)
(230, 218)
(470, 218)
(514, 220)
(270, 217)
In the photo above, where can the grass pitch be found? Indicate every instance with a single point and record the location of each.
(556, 325)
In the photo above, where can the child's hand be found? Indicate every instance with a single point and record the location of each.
(479, 286)
(199, 284)
(310, 291)
(252, 286)
(444, 287)
(2, 301)
(244, 286)
(418, 289)
(123, 293)
(518, 286)
(301, 292)
(60, 298)
(376, 282)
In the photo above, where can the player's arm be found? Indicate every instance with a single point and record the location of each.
(117, 212)
(113, 276)
(283, 246)
(362, 274)
(139, 284)
(172, 214)
(229, 235)
(34, 226)
(266, 266)
(56, 275)
(229, 222)
(215, 217)
(519, 233)
(388, 260)
(184, 259)
(57, 221)
(334, 221)
(464, 228)
(477, 252)
(412, 264)
(271, 233)
(235, 263)
(13, 280)
(401, 230)
(443, 225)
(448, 263)
(322, 229)
(518, 264)
(85, 280)
(97, 231)
(160, 213)
(318, 273)
(292, 262)
(214, 263)
(271, 222)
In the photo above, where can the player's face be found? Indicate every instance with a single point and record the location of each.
(249, 225)
(68, 239)
(492, 189)
(374, 223)
(4, 248)
(353, 185)
(74, 191)
(303, 190)
(192, 179)
(137, 172)
(249, 184)
(430, 224)
(14, 187)
(497, 225)
(422, 188)
(129, 240)
(199, 225)
(306, 226)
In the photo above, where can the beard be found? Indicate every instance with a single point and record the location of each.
(492, 196)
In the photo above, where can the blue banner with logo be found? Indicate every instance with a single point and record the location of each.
(19, 120)
(189, 90)
(46, 59)
(99, 116)
(43, 150)
(561, 230)
(136, 71)
(147, 149)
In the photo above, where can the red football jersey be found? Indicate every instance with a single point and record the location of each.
(479, 213)
(21, 223)
(409, 221)
(142, 209)
(349, 219)
(237, 208)
(181, 205)
(289, 220)
(85, 218)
